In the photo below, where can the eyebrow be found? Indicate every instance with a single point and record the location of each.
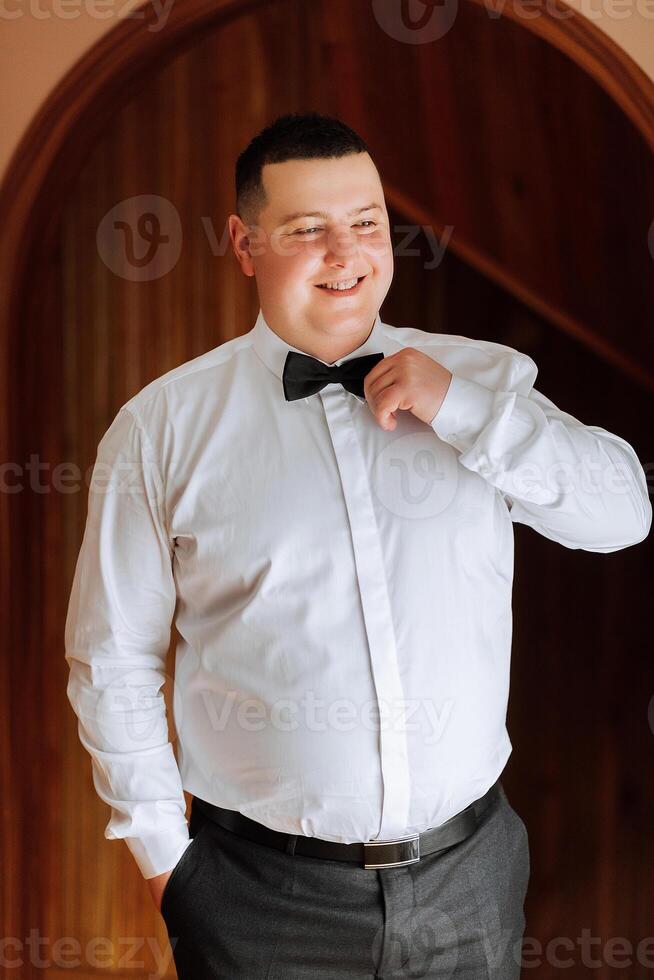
(322, 214)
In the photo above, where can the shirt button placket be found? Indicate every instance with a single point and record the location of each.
(375, 601)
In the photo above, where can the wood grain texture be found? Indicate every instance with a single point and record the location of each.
(495, 136)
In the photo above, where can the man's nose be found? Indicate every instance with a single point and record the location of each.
(342, 243)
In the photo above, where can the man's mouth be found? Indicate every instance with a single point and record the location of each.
(347, 286)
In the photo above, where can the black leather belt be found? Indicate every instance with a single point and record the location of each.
(373, 854)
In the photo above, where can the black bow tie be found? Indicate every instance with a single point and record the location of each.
(304, 375)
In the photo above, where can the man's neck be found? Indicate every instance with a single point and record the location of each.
(326, 348)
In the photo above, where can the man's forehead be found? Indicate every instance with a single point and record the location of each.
(307, 190)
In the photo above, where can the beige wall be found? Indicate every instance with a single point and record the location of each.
(630, 23)
(42, 39)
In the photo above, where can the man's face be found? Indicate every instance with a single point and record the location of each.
(292, 251)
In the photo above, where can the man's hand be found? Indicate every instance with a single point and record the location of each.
(157, 885)
(407, 379)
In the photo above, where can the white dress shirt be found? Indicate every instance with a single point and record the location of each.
(342, 593)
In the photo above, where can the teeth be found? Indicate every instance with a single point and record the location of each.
(340, 285)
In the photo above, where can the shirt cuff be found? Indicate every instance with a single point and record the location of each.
(157, 853)
(465, 411)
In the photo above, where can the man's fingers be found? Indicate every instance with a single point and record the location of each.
(382, 385)
(385, 404)
(382, 367)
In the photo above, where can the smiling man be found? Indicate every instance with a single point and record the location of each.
(324, 506)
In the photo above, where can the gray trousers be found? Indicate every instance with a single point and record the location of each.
(235, 909)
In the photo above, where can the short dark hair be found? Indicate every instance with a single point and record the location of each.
(295, 136)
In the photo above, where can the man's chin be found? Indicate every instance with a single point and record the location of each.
(344, 321)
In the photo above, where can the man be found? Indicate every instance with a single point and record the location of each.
(325, 504)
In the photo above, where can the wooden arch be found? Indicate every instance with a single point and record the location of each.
(41, 174)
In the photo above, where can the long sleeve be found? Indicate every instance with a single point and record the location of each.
(576, 484)
(117, 636)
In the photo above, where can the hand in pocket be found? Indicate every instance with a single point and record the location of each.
(157, 885)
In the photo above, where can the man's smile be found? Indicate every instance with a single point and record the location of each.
(345, 287)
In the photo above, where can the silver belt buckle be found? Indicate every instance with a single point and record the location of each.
(409, 849)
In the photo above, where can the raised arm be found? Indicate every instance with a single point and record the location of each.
(576, 484)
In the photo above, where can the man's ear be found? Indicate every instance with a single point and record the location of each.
(240, 240)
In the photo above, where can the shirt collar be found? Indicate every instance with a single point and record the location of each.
(272, 349)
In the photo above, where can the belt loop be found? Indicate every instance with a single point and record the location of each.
(290, 844)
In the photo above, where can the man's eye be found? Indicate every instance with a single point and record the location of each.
(311, 231)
